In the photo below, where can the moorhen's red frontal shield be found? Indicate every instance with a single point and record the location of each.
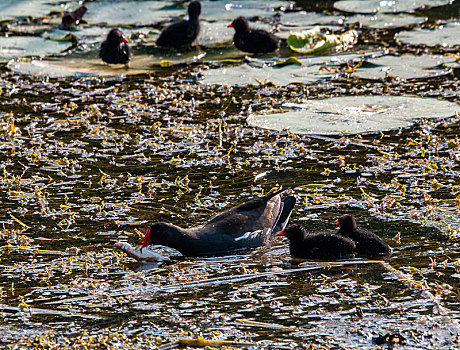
(146, 240)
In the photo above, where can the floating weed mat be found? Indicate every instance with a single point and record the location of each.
(87, 162)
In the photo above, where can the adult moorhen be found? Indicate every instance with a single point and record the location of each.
(253, 40)
(247, 225)
(115, 48)
(367, 243)
(182, 33)
(318, 246)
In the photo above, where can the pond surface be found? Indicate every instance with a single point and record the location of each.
(91, 154)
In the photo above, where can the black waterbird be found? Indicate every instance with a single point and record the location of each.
(367, 243)
(248, 225)
(182, 33)
(115, 48)
(318, 246)
(253, 40)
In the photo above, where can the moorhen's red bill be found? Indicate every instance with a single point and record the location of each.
(248, 225)
(182, 33)
(318, 246)
(253, 40)
(115, 48)
(367, 243)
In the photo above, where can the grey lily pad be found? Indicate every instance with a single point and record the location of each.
(36, 8)
(354, 114)
(91, 36)
(143, 60)
(446, 35)
(145, 12)
(259, 71)
(80, 65)
(247, 75)
(129, 12)
(302, 19)
(407, 66)
(382, 20)
(228, 10)
(28, 46)
(390, 6)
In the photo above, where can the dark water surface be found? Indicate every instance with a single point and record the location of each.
(87, 161)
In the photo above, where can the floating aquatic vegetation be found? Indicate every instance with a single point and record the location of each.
(406, 67)
(123, 12)
(353, 114)
(29, 46)
(227, 11)
(313, 41)
(36, 8)
(374, 6)
(293, 20)
(279, 72)
(382, 20)
(445, 35)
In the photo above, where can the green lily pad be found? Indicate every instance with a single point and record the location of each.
(406, 66)
(313, 41)
(29, 46)
(446, 35)
(390, 6)
(354, 114)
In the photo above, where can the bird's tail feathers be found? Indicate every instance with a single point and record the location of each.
(287, 204)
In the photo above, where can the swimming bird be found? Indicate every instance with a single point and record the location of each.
(73, 17)
(253, 40)
(115, 48)
(182, 33)
(319, 246)
(248, 225)
(367, 243)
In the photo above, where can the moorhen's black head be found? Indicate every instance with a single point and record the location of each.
(347, 222)
(115, 37)
(158, 233)
(293, 232)
(240, 24)
(194, 10)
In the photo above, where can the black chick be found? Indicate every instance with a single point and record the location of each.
(253, 40)
(321, 246)
(367, 243)
(182, 33)
(115, 48)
